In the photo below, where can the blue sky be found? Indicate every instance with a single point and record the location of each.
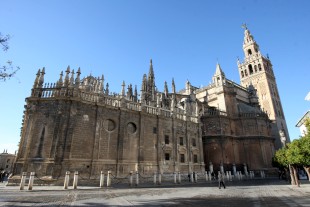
(184, 38)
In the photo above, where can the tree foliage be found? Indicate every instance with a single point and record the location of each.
(7, 70)
(280, 159)
(296, 153)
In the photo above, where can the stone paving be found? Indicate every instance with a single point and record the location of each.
(269, 192)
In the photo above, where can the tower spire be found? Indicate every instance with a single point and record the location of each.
(107, 89)
(151, 71)
(72, 78)
(60, 81)
(123, 89)
(67, 76)
(144, 88)
(166, 89)
(173, 86)
(151, 82)
(219, 76)
(77, 79)
(36, 81)
(135, 94)
(41, 79)
(250, 47)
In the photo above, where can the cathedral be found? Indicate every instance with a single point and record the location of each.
(77, 124)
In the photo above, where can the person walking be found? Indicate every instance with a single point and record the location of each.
(1, 176)
(221, 180)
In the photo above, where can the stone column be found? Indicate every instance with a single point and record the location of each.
(67, 178)
(75, 179)
(130, 178)
(245, 169)
(191, 177)
(109, 179)
(22, 181)
(31, 179)
(101, 179)
(174, 177)
(234, 169)
(137, 178)
(155, 175)
(227, 175)
(179, 177)
(210, 167)
(159, 178)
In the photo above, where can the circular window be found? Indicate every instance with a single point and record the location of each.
(131, 128)
(109, 125)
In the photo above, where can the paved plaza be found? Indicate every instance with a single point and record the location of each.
(269, 192)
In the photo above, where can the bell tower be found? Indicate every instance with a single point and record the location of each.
(257, 70)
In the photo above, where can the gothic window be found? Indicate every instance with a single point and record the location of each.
(182, 158)
(194, 142)
(181, 141)
(259, 67)
(249, 52)
(167, 156)
(255, 68)
(242, 74)
(250, 69)
(195, 158)
(166, 139)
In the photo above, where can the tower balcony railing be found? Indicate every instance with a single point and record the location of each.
(214, 113)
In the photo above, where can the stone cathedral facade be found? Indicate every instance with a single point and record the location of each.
(77, 124)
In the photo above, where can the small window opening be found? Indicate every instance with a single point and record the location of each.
(255, 68)
(166, 139)
(249, 52)
(182, 158)
(259, 67)
(181, 141)
(167, 156)
(250, 69)
(242, 74)
(195, 158)
(194, 142)
(154, 130)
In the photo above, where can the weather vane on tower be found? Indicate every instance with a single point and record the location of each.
(244, 26)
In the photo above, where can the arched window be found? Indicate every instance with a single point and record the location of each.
(250, 69)
(255, 68)
(242, 74)
(259, 67)
(249, 52)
